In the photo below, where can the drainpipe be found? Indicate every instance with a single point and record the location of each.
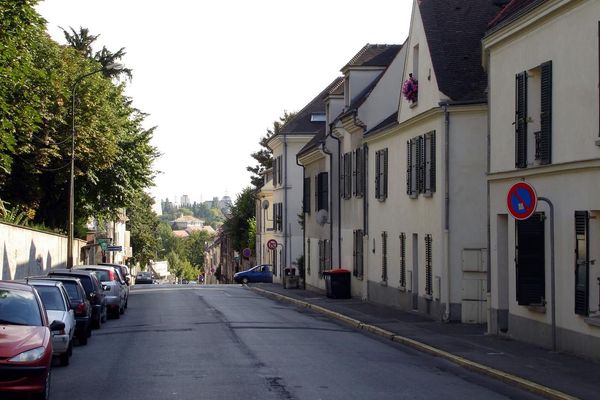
(337, 196)
(446, 317)
(285, 201)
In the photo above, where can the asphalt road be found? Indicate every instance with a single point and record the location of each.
(226, 342)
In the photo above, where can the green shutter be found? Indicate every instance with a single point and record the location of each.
(545, 146)
(521, 120)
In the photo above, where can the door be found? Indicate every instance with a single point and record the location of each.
(530, 261)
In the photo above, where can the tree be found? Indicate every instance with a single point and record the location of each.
(143, 225)
(195, 245)
(237, 225)
(263, 156)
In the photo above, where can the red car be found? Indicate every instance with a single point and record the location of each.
(25, 341)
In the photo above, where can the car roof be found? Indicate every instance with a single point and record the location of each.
(16, 286)
(100, 267)
(61, 278)
(43, 282)
(64, 271)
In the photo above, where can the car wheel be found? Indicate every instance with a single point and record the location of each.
(104, 315)
(122, 310)
(117, 314)
(70, 348)
(45, 395)
(64, 358)
(83, 338)
(97, 322)
(245, 281)
(126, 302)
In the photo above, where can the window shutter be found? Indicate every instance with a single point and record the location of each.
(377, 174)
(317, 191)
(306, 204)
(409, 181)
(354, 258)
(420, 165)
(531, 264)
(402, 259)
(521, 121)
(359, 252)
(385, 173)
(323, 191)
(279, 172)
(308, 256)
(343, 176)
(546, 114)
(274, 226)
(384, 256)
(275, 172)
(430, 162)
(582, 263)
(428, 266)
(327, 245)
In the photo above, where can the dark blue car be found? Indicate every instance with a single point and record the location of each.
(260, 273)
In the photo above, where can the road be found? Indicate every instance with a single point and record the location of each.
(227, 342)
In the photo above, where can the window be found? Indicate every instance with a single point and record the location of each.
(346, 177)
(421, 165)
(357, 254)
(324, 256)
(381, 174)
(359, 166)
(533, 116)
(323, 191)
(317, 117)
(428, 266)
(384, 272)
(530, 261)
(403, 260)
(582, 263)
(306, 201)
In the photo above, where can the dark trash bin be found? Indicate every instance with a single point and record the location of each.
(289, 271)
(337, 283)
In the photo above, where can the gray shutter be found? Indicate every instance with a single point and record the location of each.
(385, 173)
(428, 265)
(317, 191)
(420, 165)
(354, 258)
(530, 261)
(275, 172)
(545, 146)
(384, 256)
(521, 120)
(343, 176)
(582, 263)
(306, 204)
(402, 259)
(430, 162)
(377, 174)
(409, 181)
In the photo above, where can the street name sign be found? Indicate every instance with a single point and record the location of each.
(521, 200)
(114, 248)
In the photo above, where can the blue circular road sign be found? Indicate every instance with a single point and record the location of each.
(521, 200)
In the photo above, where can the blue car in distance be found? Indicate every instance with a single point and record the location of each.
(260, 273)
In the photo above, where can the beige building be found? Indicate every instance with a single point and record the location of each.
(542, 61)
(264, 219)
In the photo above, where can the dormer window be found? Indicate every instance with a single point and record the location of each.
(317, 117)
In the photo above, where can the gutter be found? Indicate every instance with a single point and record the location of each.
(285, 202)
(303, 225)
(446, 317)
(331, 196)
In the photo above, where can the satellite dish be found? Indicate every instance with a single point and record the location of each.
(265, 204)
(322, 217)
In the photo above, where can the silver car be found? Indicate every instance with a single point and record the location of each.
(58, 307)
(116, 295)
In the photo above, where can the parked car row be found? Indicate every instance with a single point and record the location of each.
(42, 316)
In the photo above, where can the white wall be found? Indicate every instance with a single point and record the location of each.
(26, 252)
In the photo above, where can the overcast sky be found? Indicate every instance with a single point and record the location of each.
(214, 75)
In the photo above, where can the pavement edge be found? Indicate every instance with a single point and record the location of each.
(463, 362)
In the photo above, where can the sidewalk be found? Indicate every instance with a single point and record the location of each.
(553, 375)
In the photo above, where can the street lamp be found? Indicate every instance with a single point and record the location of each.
(109, 67)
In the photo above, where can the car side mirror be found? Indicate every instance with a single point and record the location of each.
(57, 326)
(106, 288)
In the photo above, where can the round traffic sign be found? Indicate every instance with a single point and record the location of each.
(272, 244)
(521, 200)
(246, 252)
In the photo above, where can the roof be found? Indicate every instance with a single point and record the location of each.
(360, 98)
(385, 124)
(374, 55)
(338, 88)
(454, 29)
(180, 234)
(16, 285)
(312, 144)
(511, 10)
(301, 123)
(187, 218)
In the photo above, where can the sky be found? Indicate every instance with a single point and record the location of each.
(214, 75)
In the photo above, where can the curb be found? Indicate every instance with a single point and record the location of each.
(463, 362)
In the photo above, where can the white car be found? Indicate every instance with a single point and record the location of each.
(58, 308)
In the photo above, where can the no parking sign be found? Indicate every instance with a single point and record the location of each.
(521, 200)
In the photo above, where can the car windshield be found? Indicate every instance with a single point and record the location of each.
(51, 297)
(18, 307)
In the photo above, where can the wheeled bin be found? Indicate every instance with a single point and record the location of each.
(337, 283)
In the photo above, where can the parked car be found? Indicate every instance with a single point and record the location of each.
(79, 303)
(123, 269)
(94, 290)
(260, 273)
(117, 293)
(143, 277)
(58, 307)
(26, 345)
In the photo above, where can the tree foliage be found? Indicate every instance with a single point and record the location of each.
(238, 224)
(142, 225)
(113, 151)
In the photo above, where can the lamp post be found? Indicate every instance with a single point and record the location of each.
(71, 217)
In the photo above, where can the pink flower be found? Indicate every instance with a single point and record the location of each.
(410, 89)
